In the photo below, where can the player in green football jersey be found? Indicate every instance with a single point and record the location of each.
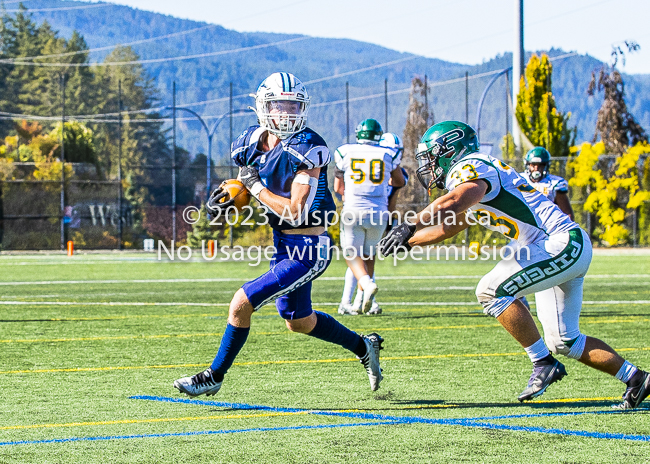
(551, 256)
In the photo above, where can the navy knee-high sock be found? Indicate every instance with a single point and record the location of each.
(231, 344)
(330, 330)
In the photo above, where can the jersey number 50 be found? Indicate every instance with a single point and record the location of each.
(374, 170)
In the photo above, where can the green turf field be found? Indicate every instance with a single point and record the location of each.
(90, 346)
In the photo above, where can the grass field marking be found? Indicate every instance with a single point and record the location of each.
(249, 363)
(99, 369)
(163, 336)
(439, 327)
(576, 400)
(560, 414)
(287, 361)
(153, 420)
(615, 321)
(316, 304)
(104, 303)
(189, 434)
(130, 316)
(473, 422)
(126, 337)
(239, 279)
(556, 431)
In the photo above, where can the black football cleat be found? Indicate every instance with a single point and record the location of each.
(635, 394)
(542, 377)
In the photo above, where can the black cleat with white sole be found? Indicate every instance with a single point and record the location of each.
(542, 376)
(636, 393)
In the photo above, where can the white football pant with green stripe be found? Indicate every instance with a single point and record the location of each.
(554, 270)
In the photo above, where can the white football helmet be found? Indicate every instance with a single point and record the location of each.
(281, 104)
(392, 141)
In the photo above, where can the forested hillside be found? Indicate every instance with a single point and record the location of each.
(209, 77)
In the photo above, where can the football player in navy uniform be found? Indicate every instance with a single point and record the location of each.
(283, 164)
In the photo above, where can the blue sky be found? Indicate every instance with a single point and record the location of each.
(463, 31)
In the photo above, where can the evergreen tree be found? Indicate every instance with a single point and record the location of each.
(201, 231)
(537, 114)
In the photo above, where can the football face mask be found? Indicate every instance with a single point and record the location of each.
(284, 116)
(441, 146)
(281, 104)
(537, 161)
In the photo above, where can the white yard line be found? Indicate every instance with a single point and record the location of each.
(384, 303)
(241, 279)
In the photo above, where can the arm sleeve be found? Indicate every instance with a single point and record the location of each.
(316, 157)
(239, 147)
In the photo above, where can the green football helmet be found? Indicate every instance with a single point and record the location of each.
(369, 130)
(442, 146)
(541, 156)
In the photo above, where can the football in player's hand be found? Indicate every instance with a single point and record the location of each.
(236, 191)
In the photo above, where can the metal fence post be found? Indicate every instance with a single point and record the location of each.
(230, 162)
(386, 104)
(119, 165)
(466, 97)
(347, 111)
(174, 162)
(63, 162)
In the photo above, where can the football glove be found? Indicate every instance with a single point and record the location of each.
(251, 180)
(397, 238)
(214, 205)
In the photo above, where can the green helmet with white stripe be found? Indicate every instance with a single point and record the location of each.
(281, 104)
(369, 131)
(541, 156)
(442, 146)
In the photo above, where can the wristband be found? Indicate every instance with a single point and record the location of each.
(256, 189)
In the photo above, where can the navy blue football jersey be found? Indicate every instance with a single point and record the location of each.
(278, 167)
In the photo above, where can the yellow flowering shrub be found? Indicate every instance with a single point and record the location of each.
(610, 195)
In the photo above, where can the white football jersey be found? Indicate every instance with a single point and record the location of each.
(511, 205)
(549, 186)
(366, 171)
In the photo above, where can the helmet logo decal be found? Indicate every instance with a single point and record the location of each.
(442, 146)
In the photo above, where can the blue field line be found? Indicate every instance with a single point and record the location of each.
(188, 434)
(474, 422)
(219, 404)
(376, 419)
(558, 414)
(575, 433)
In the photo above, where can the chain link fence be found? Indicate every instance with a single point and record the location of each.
(100, 210)
(94, 216)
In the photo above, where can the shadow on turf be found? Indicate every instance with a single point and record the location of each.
(406, 405)
(51, 320)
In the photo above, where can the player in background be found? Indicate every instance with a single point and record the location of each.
(537, 163)
(392, 141)
(283, 164)
(555, 188)
(554, 256)
(363, 172)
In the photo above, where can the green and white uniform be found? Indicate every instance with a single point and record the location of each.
(365, 169)
(551, 256)
(549, 185)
